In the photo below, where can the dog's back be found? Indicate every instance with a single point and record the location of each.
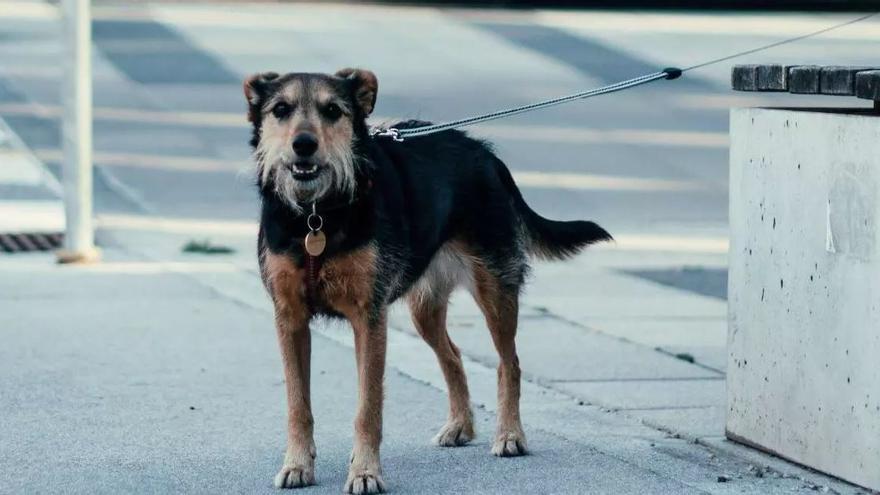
(454, 195)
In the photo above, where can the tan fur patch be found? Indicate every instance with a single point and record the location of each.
(285, 281)
(347, 282)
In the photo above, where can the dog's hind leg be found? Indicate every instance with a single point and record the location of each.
(429, 316)
(499, 302)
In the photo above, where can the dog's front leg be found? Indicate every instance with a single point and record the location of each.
(295, 341)
(365, 472)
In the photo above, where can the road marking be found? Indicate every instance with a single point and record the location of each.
(542, 133)
(158, 162)
(188, 119)
(13, 9)
(44, 264)
(193, 226)
(31, 216)
(668, 243)
(589, 182)
(780, 25)
(721, 101)
(575, 135)
(523, 178)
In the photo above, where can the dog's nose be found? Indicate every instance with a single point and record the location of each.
(305, 144)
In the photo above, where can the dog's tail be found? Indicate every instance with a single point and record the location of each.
(551, 239)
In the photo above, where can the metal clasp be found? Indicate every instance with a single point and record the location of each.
(390, 132)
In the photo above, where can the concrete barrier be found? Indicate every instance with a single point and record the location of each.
(804, 288)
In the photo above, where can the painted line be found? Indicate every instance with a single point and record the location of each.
(194, 226)
(13, 9)
(31, 216)
(204, 226)
(156, 162)
(189, 119)
(667, 243)
(525, 179)
(578, 135)
(780, 25)
(124, 267)
(722, 101)
(590, 182)
(552, 134)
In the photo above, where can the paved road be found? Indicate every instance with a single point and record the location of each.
(169, 106)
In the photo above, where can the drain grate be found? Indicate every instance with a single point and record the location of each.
(21, 243)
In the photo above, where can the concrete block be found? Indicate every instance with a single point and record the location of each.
(803, 378)
(868, 85)
(773, 77)
(804, 79)
(744, 78)
(838, 80)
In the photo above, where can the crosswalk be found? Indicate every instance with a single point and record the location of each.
(30, 196)
(169, 106)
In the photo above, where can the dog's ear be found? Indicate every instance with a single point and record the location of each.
(366, 84)
(255, 90)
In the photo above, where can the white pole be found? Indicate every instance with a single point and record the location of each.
(77, 133)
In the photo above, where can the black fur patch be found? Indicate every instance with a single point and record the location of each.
(415, 196)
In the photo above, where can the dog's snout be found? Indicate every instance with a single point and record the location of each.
(305, 144)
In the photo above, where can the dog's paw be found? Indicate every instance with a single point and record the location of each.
(509, 444)
(364, 482)
(455, 433)
(295, 477)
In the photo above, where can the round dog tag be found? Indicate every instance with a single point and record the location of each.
(315, 242)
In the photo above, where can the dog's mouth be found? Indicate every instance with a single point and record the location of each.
(304, 170)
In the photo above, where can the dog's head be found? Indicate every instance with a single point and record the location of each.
(306, 131)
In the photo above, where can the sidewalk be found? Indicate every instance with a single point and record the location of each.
(157, 371)
(153, 376)
(588, 329)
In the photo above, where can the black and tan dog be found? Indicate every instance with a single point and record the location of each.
(350, 223)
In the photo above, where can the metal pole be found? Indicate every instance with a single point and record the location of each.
(76, 133)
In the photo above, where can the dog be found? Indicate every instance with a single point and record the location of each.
(351, 222)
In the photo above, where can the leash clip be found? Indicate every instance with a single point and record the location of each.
(390, 132)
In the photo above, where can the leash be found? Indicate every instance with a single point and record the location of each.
(669, 73)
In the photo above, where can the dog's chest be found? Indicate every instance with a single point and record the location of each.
(343, 284)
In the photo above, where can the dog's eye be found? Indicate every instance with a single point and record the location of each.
(281, 110)
(332, 111)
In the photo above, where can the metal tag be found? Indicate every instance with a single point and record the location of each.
(315, 242)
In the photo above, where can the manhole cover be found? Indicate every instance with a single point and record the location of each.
(22, 243)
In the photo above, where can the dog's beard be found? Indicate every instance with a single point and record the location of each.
(337, 174)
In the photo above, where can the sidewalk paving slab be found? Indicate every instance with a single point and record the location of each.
(164, 386)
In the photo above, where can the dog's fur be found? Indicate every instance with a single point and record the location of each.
(411, 220)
